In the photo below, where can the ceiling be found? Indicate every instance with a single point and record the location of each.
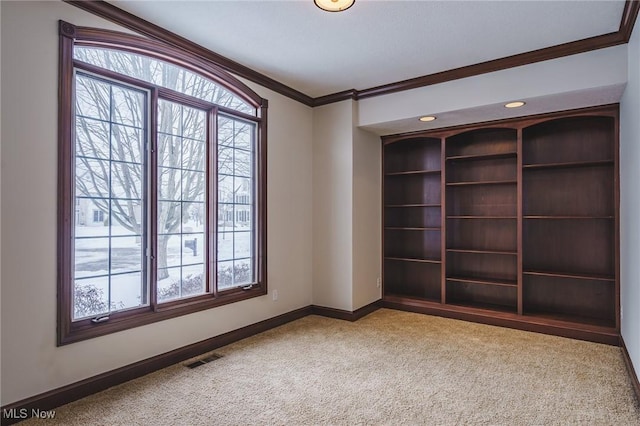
(375, 42)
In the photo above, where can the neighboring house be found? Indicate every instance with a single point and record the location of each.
(88, 214)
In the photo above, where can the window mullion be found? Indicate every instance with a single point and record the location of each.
(152, 217)
(212, 200)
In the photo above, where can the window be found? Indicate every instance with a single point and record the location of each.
(162, 170)
(98, 216)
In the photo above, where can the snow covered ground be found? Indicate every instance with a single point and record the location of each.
(92, 261)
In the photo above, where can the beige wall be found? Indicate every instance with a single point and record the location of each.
(346, 200)
(630, 204)
(367, 238)
(31, 362)
(333, 205)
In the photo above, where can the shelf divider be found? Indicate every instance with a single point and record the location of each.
(487, 182)
(571, 275)
(570, 164)
(483, 281)
(408, 259)
(488, 156)
(498, 252)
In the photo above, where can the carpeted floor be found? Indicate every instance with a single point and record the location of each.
(391, 367)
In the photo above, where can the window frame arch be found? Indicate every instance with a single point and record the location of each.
(68, 330)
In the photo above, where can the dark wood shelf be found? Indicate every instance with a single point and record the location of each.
(412, 205)
(570, 275)
(567, 217)
(570, 164)
(506, 253)
(413, 172)
(569, 327)
(488, 182)
(483, 281)
(407, 259)
(403, 228)
(391, 295)
(538, 193)
(574, 319)
(482, 217)
(490, 307)
(490, 156)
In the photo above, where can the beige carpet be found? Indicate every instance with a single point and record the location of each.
(390, 368)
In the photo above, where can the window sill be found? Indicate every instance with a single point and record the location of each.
(120, 321)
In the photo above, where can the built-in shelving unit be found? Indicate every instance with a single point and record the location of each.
(569, 210)
(412, 224)
(512, 223)
(481, 244)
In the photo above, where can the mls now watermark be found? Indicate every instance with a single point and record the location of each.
(23, 413)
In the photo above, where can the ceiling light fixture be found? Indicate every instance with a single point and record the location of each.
(427, 118)
(517, 104)
(334, 5)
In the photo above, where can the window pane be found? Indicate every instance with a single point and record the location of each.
(225, 275)
(85, 225)
(225, 189)
(92, 138)
(236, 168)
(169, 284)
(92, 257)
(242, 272)
(126, 144)
(192, 248)
(92, 178)
(170, 246)
(128, 106)
(183, 179)
(169, 118)
(193, 186)
(126, 180)
(169, 217)
(169, 150)
(194, 154)
(244, 135)
(193, 218)
(242, 245)
(225, 131)
(90, 297)
(125, 254)
(169, 185)
(108, 219)
(162, 74)
(225, 160)
(193, 282)
(243, 166)
(225, 246)
(126, 291)
(92, 98)
(126, 218)
(194, 124)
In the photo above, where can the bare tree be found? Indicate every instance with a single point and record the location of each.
(110, 149)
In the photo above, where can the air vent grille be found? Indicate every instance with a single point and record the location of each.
(203, 361)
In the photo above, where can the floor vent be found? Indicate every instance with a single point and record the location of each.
(203, 361)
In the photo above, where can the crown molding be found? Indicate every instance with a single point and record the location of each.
(141, 26)
(629, 17)
(549, 53)
(114, 14)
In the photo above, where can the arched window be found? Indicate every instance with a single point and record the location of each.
(159, 148)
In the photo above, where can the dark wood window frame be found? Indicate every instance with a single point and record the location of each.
(69, 331)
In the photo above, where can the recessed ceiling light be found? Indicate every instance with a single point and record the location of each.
(427, 118)
(517, 104)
